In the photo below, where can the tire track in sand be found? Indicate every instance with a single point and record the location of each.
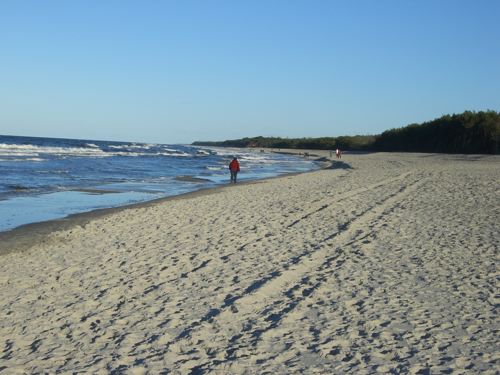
(238, 324)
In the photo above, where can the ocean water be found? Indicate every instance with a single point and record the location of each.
(47, 178)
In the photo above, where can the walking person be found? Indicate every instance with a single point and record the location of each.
(339, 155)
(234, 168)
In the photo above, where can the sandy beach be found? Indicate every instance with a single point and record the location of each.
(382, 263)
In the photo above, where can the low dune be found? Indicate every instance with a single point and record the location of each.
(381, 263)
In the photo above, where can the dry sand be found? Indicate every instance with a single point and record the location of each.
(384, 263)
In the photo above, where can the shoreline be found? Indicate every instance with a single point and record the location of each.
(23, 237)
(65, 183)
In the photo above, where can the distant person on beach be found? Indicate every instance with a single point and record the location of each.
(234, 168)
(339, 155)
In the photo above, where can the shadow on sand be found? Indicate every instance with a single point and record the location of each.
(336, 164)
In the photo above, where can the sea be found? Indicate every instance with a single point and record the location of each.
(50, 178)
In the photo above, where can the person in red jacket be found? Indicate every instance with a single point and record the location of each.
(234, 168)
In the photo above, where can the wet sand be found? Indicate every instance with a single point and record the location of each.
(383, 263)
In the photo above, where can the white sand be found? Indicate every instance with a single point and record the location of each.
(388, 263)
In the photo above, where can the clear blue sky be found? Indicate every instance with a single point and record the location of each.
(179, 71)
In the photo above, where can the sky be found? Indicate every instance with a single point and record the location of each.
(180, 71)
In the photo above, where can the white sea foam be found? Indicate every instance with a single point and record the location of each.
(202, 152)
(24, 159)
(254, 158)
(242, 155)
(132, 154)
(132, 146)
(176, 153)
(33, 151)
(18, 153)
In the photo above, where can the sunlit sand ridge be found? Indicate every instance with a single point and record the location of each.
(384, 262)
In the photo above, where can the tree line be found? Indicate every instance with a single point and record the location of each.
(466, 133)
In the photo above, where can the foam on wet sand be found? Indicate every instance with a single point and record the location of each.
(382, 263)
